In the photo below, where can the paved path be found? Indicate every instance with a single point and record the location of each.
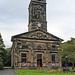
(7, 72)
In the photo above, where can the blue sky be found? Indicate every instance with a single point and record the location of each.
(14, 18)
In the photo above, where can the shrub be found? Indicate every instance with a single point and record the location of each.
(60, 70)
(71, 70)
(1, 63)
(74, 70)
(51, 71)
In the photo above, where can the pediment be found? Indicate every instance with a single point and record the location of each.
(38, 34)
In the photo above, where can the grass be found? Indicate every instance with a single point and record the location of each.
(37, 72)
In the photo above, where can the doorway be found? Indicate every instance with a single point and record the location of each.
(39, 60)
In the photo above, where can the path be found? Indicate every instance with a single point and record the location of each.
(7, 72)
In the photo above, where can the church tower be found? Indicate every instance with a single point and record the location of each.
(36, 48)
(37, 15)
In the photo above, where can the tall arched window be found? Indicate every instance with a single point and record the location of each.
(53, 58)
(23, 57)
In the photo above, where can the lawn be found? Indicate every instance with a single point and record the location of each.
(37, 72)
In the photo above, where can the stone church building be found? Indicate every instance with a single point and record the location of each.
(37, 47)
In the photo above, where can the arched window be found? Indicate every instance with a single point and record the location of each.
(23, 58)
(38, 16)
(53, 58)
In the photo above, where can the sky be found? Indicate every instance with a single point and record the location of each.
(14, 18)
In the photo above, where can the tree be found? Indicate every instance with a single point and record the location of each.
(68, 50)
(1, 42)
(1, 52)
(1, 61)
(5, 54)
(8, 57)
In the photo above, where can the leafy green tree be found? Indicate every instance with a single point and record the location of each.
(68, 50)
(5, 54)
(8, 57)
(1, 42)
(1, 52)
(1, 63)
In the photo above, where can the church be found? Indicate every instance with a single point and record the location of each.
(37, 47)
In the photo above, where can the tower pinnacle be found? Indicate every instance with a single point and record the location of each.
(37, 15)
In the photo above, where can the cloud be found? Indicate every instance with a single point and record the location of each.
(14, 18)
(9, 31)
(61, 16)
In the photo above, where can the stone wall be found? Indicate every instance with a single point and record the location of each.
(32, 48)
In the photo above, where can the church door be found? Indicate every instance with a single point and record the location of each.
(39, 60)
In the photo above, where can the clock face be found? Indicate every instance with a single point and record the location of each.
(39, 25)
